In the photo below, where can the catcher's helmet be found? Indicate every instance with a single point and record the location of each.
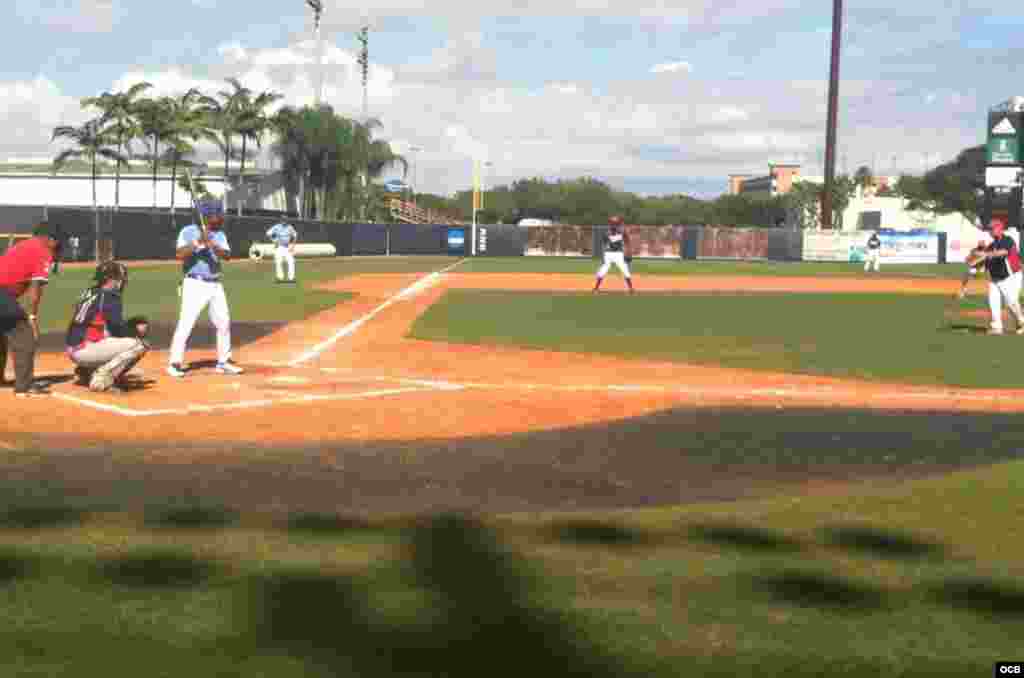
(111, 270)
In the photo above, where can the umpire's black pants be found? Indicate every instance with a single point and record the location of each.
(16, 334)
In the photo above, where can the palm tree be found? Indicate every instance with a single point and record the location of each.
(154, 124)
(251, 123)
(92, 140)
(222, 121)
(187, 127)
(293, 148)
(120, 111)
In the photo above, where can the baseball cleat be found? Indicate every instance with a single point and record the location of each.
(33, 391)
(175, 370)
(229, 367)
(1019, 330)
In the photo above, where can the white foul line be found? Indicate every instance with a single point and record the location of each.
(241, 405)
(103, 407)
(350, 328)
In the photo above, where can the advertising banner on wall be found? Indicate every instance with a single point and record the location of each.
(909, 248)
(897, 248)
(823, 246)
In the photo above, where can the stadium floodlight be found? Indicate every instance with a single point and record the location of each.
(318, 9)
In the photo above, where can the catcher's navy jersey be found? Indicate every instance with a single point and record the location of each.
(98, 315)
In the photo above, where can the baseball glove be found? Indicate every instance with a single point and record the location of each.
(975, 257)
(138, 326)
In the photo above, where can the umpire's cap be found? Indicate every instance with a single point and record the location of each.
(46, 229)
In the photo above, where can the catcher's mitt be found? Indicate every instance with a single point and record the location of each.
(138, 326)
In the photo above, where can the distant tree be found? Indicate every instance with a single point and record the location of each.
(120, 110)
(92, 140)
(803, 202)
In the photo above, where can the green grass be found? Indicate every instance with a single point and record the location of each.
(920, 579)
(644, 267)
(252, 294)
(885, 337)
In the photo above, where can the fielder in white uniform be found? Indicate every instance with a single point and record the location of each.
(284, 237)
(874, 256)
(616, 250)
(202, 287)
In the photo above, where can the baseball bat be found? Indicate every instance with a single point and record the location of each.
(195, 203)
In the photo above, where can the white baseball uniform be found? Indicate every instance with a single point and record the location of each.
(283, 236)
(202, 287)
(614, 254)
(874, 254)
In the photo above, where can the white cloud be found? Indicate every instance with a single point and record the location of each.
(672, 67)
(232, 51)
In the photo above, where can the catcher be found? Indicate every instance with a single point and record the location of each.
(104, 346)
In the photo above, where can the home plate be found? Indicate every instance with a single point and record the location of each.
(289, 380)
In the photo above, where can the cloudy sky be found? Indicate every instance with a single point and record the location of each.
(653, 96)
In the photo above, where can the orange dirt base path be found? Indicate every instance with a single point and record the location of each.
(375, 384)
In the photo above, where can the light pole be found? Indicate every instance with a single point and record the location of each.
(833, 114)
(415, 150)
(318, 9)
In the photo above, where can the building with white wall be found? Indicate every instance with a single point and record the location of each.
(76, 190)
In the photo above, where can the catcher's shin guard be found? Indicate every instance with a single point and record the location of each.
(105, 376)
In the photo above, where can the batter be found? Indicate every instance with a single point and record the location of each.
(201, 257)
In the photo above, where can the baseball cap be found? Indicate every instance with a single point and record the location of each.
(45, 228)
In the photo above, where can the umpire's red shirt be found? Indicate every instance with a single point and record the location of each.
(28, 261)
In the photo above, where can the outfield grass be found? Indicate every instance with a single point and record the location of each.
(884, 337)
(920, 580)
(641, 267)
(252, 293)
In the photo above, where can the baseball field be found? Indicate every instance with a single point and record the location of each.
(446, 467)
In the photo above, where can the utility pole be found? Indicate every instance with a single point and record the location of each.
(364, 65)
(833, 114)
(318, 11)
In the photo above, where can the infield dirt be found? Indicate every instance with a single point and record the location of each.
(374, 387)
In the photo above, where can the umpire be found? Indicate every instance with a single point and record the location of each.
(25, 268)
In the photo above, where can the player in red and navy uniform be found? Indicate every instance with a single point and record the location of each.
(25, 268)
(1002, 261)
(101, 343)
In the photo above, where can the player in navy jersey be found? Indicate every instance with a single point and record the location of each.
(617, 252)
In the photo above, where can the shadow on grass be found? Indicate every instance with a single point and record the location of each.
(882, 543)
(326, 524)
(744, 537)
(15, 565)
(819, 590)
(157, 569)
(34, 517)
(595, 533)
(191, 517)
(485, 617)
(983, 596)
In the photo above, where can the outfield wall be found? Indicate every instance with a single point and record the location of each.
(135, 235)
